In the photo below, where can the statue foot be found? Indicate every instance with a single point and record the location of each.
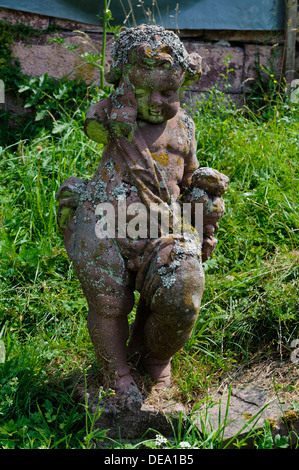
(159, 372)
(127, 395)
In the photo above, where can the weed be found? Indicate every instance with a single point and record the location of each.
(266, 440)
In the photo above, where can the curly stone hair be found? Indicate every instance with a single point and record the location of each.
(150, 46)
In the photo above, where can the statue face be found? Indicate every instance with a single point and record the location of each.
(156, 92)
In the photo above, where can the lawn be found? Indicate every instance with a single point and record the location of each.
(250, 306)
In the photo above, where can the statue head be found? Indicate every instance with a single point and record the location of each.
(149, 46)
(157, 64)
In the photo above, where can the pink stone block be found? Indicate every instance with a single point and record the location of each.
(269, 57)
(57, 61)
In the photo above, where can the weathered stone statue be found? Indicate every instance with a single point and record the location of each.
(111, 232)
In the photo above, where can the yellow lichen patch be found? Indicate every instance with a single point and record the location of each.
(162, 52)
(161, 158)
(97, 132)
(148, 52)
(246, 415)
(290, 417)
(273, 422)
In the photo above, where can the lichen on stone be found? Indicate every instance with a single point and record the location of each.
(156, 37)
(182, 248)
(119, 192)
(100, 193)
(162, 270)
(187, 247)
(109, 166)
(197, 193)
(209, 206)
(119, 92)
(168, 280)
(189, 127)
(86, 195)
(205, 171)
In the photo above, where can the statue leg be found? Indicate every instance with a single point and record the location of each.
(109, 290)
(109, 331)
(174, 299)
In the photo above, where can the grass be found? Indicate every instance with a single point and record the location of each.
(250, 304)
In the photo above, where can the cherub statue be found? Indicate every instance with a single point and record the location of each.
(149, 161)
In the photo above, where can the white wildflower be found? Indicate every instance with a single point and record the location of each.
(184, 445)
(160, 440)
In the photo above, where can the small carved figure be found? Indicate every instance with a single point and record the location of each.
(149, 162)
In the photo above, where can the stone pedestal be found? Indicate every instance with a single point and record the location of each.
(143, 424)
(158, 414)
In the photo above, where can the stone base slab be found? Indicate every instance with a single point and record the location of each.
(230, 416)
(164, 417)
(235, 415)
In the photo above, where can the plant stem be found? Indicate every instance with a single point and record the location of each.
(104, 41)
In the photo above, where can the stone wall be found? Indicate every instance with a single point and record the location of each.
(37, 56)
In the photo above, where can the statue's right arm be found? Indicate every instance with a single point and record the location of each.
(113, 117)
(96, 121)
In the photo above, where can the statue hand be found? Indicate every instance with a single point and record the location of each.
(68, 196)
(210, 180)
